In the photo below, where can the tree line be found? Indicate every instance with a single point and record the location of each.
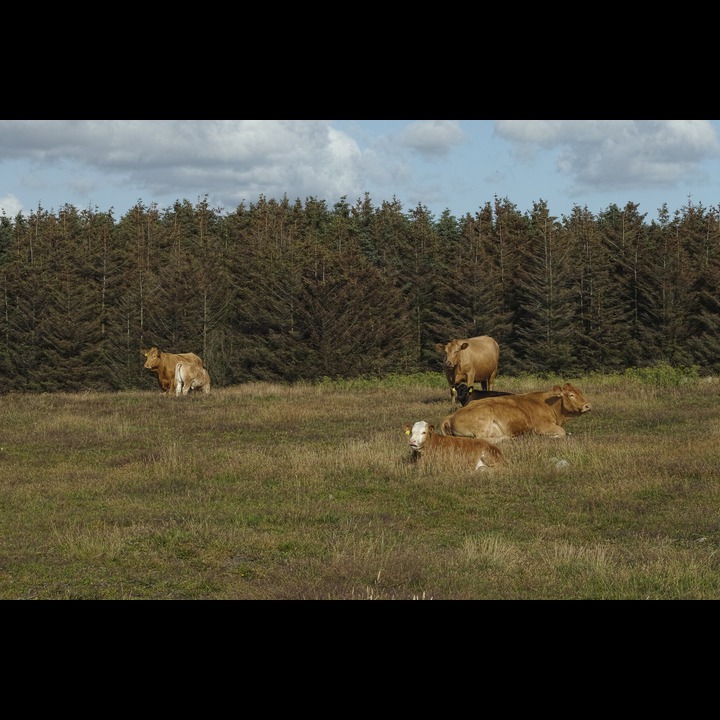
(285, 291)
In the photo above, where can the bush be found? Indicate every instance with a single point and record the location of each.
(663, 375)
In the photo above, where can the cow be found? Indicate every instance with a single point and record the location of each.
(428, 445)
(464, 394)
(471, 360)
(499, 418)
(190, 376)
(163, 365)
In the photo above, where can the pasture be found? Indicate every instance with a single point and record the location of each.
(267, 491)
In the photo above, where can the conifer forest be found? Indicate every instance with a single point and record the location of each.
(287, 291)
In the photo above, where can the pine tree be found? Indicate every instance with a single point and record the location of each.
(546, 319)
(353, 320)
(699, 231)
(600, 343)
(625, 237)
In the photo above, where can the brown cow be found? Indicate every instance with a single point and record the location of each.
(471, 360)
(498, 418)
(190, 376)
(163, 365)
(427, 445)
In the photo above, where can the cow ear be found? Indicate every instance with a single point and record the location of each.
(464, 345)
(470, 389)
(431, 428)
(406, 428)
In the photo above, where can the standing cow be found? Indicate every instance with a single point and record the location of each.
(163, 365)
(471, 360)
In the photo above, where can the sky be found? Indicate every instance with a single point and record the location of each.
(455, 165)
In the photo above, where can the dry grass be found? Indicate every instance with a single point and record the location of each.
(264, 491)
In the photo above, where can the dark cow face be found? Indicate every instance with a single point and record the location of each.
(464, 394)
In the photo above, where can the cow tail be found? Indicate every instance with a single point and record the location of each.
(178, 379)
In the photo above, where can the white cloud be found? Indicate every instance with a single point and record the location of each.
(611, 154)
(234, 160)
(10, 206)
(432, 138)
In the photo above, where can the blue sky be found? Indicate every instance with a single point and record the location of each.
(457, 165)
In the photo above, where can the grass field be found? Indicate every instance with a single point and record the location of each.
(265, 491)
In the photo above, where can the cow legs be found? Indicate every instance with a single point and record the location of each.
(554, 431)
(470, 379)
(491, 380)
(488, 382)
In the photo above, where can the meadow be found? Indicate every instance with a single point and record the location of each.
(265, 491)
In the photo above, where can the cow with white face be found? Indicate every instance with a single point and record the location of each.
(427, 445)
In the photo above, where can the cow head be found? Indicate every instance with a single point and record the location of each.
(573, 401)
(452, 352)
(152, 358)
(418, 434)
(462, 393)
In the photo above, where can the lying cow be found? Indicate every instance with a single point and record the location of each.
(463, 394)
(427, 445)
(498, 418)
(189, 376)
(163, 364)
